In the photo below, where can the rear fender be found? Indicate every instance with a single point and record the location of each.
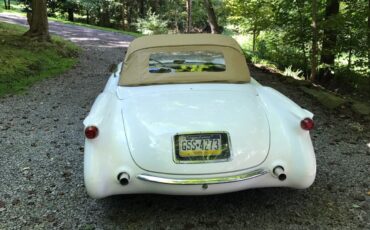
(101, 108)
(296, 155)
(273, 98)
(105, 101)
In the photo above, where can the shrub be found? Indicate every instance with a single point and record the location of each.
(349, 81)
(296, 74)
(151, 24)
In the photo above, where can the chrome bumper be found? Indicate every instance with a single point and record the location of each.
(201, 181)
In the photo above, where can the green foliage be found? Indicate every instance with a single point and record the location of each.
(152, 24)
(15, 7)
(249, 15)
(24, 61)
(349, 81)
(352, 42)
(276, 33)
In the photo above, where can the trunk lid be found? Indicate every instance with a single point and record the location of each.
(153, 115)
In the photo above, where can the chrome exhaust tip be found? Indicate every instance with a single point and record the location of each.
(123, 178)
(279, 173)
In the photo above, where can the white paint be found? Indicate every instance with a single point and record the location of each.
(137, 125)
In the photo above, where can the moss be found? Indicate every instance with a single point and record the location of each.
(361, 108)
(24, 61)
(293, 81)
(327, 99)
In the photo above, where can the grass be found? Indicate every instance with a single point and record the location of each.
(15, 7)
(24, 61)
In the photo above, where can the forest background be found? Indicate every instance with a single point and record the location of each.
(324, 41)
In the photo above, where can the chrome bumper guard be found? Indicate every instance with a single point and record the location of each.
(201, 181)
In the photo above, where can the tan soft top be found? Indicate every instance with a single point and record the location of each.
(136, 64)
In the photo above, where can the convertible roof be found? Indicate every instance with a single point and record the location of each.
(135, 69)
(153, 41)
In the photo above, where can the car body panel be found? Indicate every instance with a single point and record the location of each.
(155, 114)
(137, 125)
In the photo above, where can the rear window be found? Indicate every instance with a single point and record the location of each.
(186, 61)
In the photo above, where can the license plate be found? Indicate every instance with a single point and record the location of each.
(199, 145)
(204, 146)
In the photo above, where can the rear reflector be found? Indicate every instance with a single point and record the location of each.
(91, 132)
(307, 124)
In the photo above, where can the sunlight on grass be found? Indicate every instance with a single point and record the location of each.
(24, 61)
(15, 7)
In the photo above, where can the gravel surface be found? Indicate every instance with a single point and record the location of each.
(41, 160)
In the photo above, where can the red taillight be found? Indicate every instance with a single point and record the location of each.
(91, 132)
(307, 124)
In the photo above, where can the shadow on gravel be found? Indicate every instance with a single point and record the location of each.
(262, 206)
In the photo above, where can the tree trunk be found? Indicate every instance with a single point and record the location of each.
(329, 43)
(130, 13)
(254, 38)
(212, 19)
(349, 59)
(123, 14)
(5, 5)
(177, 30)
(39, 28)
(368, 39)
(314, 41)
(104, 19)
(141, 8)
(87, 16)
(29, 17)
(70, 14)
(300, 5)
(189, 17)
(157, 6)
(8, 4)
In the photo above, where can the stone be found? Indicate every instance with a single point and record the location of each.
(361, 108)
(329, 100)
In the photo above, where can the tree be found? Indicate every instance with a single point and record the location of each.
(368, 39)
(7, 4)
(314, 41)
(212, 20)
(189, 16)
(251, 16)
(141, 8)
(39, 28)
(69, 7)
(329, 42)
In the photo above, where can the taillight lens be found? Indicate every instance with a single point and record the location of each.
(307, 124)
(91, 132)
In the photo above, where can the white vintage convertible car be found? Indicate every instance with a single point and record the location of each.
(183, 116)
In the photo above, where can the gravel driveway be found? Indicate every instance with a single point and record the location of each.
(41, 158)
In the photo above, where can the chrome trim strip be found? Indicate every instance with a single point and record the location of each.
(201, 181)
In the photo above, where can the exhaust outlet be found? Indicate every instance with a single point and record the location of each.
(279, 173)
(123, 178)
